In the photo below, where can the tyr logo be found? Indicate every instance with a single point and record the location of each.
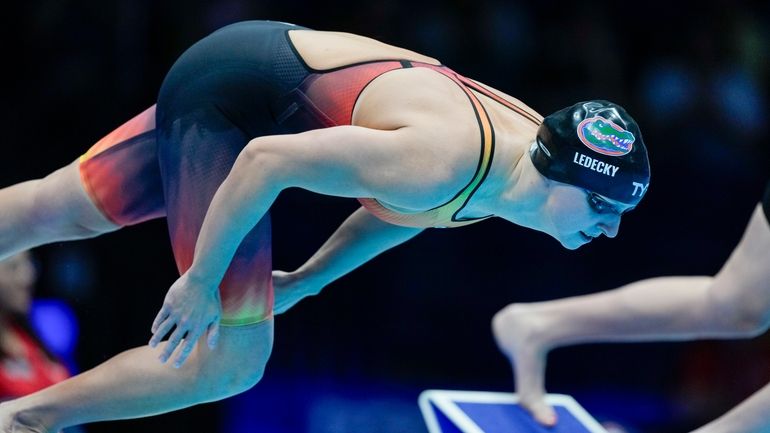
(640, 188)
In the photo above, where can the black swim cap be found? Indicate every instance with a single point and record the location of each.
(594, 145)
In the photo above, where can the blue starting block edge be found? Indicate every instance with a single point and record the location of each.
(447, 411)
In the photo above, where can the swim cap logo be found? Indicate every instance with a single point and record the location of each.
(603, 136)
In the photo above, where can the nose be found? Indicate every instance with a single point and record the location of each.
(610, 226)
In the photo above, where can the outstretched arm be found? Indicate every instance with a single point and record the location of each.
(342, 161)
(346, 161)
(359, 239)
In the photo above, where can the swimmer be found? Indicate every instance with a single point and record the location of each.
(258, 107)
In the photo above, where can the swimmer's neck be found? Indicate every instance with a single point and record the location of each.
(514, 190)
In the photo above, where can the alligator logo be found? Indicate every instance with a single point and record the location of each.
(603, 136)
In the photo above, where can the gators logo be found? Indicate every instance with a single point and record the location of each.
(603, 136)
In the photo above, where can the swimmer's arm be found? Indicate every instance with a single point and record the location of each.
(748, 417)
(359, 239)
(345, 161)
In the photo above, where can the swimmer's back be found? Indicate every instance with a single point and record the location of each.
(328, 50)
(447, 129)
(410, 97)
(324, 50)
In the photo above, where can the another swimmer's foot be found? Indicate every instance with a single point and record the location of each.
(13, 421)
(519, 334)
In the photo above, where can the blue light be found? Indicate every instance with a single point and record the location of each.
(56, 325)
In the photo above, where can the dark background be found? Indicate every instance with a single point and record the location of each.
(356, 357)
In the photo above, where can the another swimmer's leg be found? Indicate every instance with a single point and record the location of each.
(135, 384)
(734, 303)
(54, 208)
(657, 309)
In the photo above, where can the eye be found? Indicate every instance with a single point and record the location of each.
(600, 205)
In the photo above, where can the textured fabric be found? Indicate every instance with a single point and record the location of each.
(215, 98)
(170, 160)
(121, 173)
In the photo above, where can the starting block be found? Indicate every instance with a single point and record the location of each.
(494, 412)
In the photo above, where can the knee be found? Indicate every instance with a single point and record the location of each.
(241, 377)
(752, 322)
(51, 223)
(737, 311)
(506, 320)
(44, 218)
(58, 211)
(225, 374)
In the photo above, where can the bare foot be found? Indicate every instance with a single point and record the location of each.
(518, 332)
(13, 421)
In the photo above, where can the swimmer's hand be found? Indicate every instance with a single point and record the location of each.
(290, 288)
(517, 335)
(194, 308)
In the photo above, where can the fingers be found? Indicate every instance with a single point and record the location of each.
(184, 337)
(172, 343)
(161, 330)
(189, 344)
(162, 315)
(213, 334)
(542, 413)
(530, 377)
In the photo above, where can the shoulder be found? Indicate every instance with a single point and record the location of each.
(509, 100)
(407, 97)
(437, 111)
(401, 166)
(442, 145)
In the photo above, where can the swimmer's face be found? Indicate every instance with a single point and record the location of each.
(577, 216)
(17, 278)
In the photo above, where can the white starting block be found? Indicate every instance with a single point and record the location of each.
(495, 412)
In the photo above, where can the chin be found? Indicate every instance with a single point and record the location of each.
(572, 247)
(572, 243)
